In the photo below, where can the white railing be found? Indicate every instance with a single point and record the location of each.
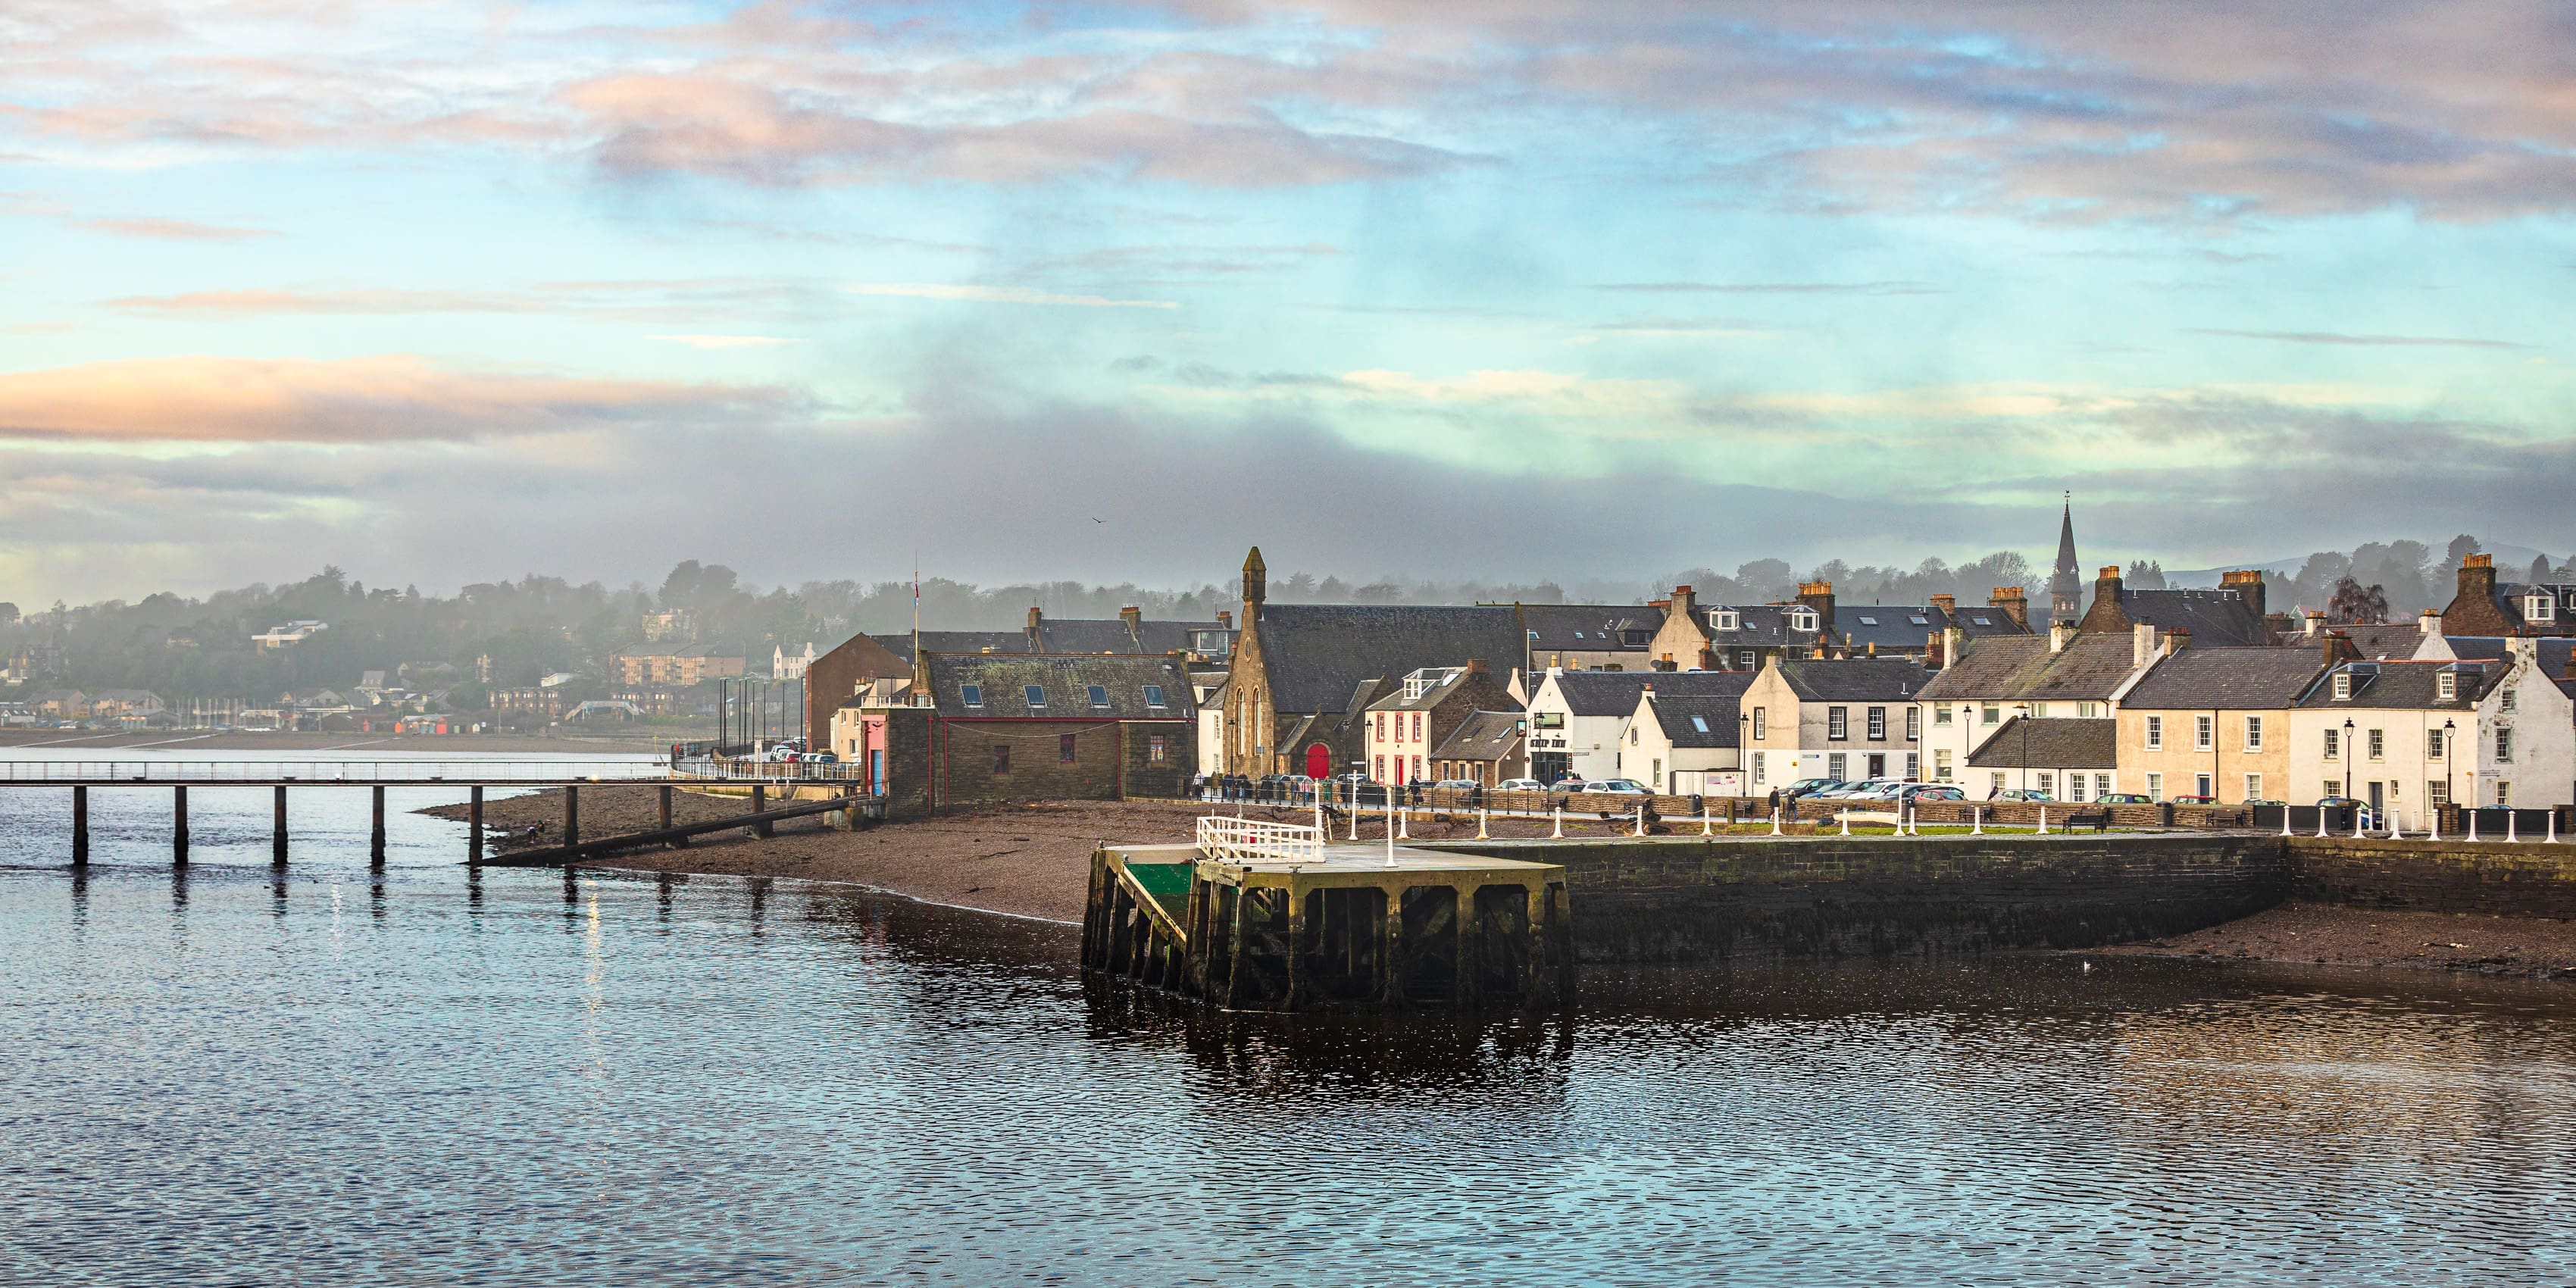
(326, 771)
(1249, 838)
(732, 769)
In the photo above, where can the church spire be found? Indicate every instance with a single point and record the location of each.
(2065, 584)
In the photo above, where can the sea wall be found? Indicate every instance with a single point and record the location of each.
(2531, 879)
(1703, 899)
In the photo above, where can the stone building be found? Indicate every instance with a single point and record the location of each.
(682, 665)
(1301, 676)
(2072, 760)
(2228, 617)
(1590, 637)
(2058, 676)
(1407, 726)
(1834, 719)
(1746, 637)
(994, 728)
(2486, 606)
(1488, 747)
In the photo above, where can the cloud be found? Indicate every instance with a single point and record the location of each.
(174, 229)
(1771, 288)
(374, 400)
(683, 300)
(1007, 295)
(2339, 338)
(723, 341)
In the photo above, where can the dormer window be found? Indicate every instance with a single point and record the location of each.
(1802, 619)
(1725, 619)
(2446, 686)
(2343, 686)
(2540, 608)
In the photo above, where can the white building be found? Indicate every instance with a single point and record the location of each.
(1846, 719)
(1998, 679)
(1578, 720)
(287, 634)
(2403, 736)
(1682, 743)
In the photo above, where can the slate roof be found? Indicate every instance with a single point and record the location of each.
(2226, 679)
(2012, 668)
(1590, 628)
(900, 642)
(1483, 735)
(2215, 618)
(1065, 679)
(1451, 680)
(1758, 626)
(1614, 693)
(1871, 679)
(2052, 744)
(2405, 686)
(2376, 641)
(1316, 652)
(1892, 627)
(1682, 716)
(1112, 635)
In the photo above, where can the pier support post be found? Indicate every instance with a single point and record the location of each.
(178, 827)
(277, 829)
(80, 827)
(760, 827)
(572, 815)
(474, 827)
(665, 807)
(376, 829)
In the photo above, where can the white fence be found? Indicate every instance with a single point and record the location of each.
(326, 771)
(1247, 838)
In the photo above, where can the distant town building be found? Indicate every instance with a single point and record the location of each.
(2485, 606)
(1407, 726)
(671, 625)
(1833, 719)
(683, 665)
(784, 665)
(288, 634)
(981, 729)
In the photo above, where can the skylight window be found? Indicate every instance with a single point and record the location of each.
(972, 693)
(1153, 695)
(1037, 697)
(1982, 621)
(1869, 621)
(1100, 696)
(1920, 620)
(1700, 723)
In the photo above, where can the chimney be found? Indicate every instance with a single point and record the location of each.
(1134, 617)
(1954, 642)
(2316, 623)
(1819, 595)
(2248, 585)
(1476, 666)
(2012, 602)
(1948, 604)
(2431, 622)
(2142, 644)
(1682, 603)
(2477, 578)
(2176, 640)
(1872, 649)
(2059, 633)
(1037, 642)
(1225, 620)
(2339, 649)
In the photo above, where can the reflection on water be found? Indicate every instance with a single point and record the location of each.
(428, 1074)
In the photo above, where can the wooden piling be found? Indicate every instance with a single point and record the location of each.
(376, 832)
(572, 815)
(760, 827)
(474, 827)
(277, 830)
(178, 827)
(675, 842)
(80, 827)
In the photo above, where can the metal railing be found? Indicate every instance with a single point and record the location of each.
(1248, 838)
(327, 771)
(729, 769)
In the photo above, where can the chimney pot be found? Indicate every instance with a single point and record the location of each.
(2478, 561)
(1132, 615)
(2430, 623)
(1034, 617)
(1225, 619)
(2012, 602)
(1476, 666)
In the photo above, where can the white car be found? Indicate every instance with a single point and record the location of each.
(1615, 787)
(1520, 785)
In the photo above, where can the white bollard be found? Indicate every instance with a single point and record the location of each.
(1641, 820)
(1319, 815)
(1402, 817)
(1355, 816)
(2285, 818)
(1846, 821)
(2509, 821)
(1390, 829)
(2321, 822)
(2396, 825)
(1559, 833)
(2043, 820)
(2356, 822)
(2553, 827)
(2433, 820)
(1706, 830)
(1976, 820)
(1480, 824)
(2473, 825)
(1775, 822)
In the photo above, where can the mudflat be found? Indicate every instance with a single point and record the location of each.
(2336, 935)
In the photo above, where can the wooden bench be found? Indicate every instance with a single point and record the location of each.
(2099, 820)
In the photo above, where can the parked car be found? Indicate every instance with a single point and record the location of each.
(1615, 787)
(2195, 800)
(2123, 798)
(1520, 785)
(1852, 788)
(2369, 817)
(1804, 787)
(1457, 784)
(818, 758)
(2023, 794)
(2268, 804)
(1933, 792)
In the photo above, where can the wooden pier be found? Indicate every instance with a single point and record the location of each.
(1307, 926)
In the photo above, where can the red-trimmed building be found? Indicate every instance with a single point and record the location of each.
(996, 728)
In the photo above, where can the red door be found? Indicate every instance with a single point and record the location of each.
(1319, 760)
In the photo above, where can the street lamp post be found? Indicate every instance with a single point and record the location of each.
(2347, 760)
(2450, 756)
(2021, 715)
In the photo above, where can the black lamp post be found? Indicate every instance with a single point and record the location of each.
(2450, 755)
(2347, 760)
(2021, 715)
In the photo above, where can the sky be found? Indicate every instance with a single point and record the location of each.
(449, 292)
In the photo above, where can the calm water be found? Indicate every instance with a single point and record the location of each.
(339, 1078)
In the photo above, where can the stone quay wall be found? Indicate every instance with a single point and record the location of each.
(2530, 879)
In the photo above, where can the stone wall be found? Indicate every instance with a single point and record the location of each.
(1694, 899)
(2527, 880)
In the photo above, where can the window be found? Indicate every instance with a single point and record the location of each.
(1379, 721)
(2039, 711)
(2446, 686)
(2332, 788)
(2378, 745)
(1802, 619)
(1550, 720)
(1746, 659)
(2155, 733)
(1700, 723)
(2253, 787)
(1417, 726)
(973, 694)
(1153, 695)
(2343, 686)
(2438, 792)
(1633, 735)
(2088, 710)
(1913, 766)
(1920, 620)
(1996, 786)
(1761, 718)
(2505, 703)
(2253, 733)
(2433, 744)
(1761, 767)
(1984, 621)
(2504, 746)
(2334, 743)
(1941, 715)
(1941, 764)
(1001, 757)
(1379, 770)
(1036, 696)
(1100, 696)
(2155, 787)
(2504, 793)
(1725, 619)
(1838, 724)
(1868, 621)
(2075, 788)
(1154, 749)
(2540, 608)
(2048, 785)
(1991, 715)
(1878, 724)
(1834, 765)
(1913, 723)
(2101, 786)
(2206, 786)
(1064, 749)
(2204, 732)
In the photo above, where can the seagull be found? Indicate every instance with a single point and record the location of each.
(1097, 520)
